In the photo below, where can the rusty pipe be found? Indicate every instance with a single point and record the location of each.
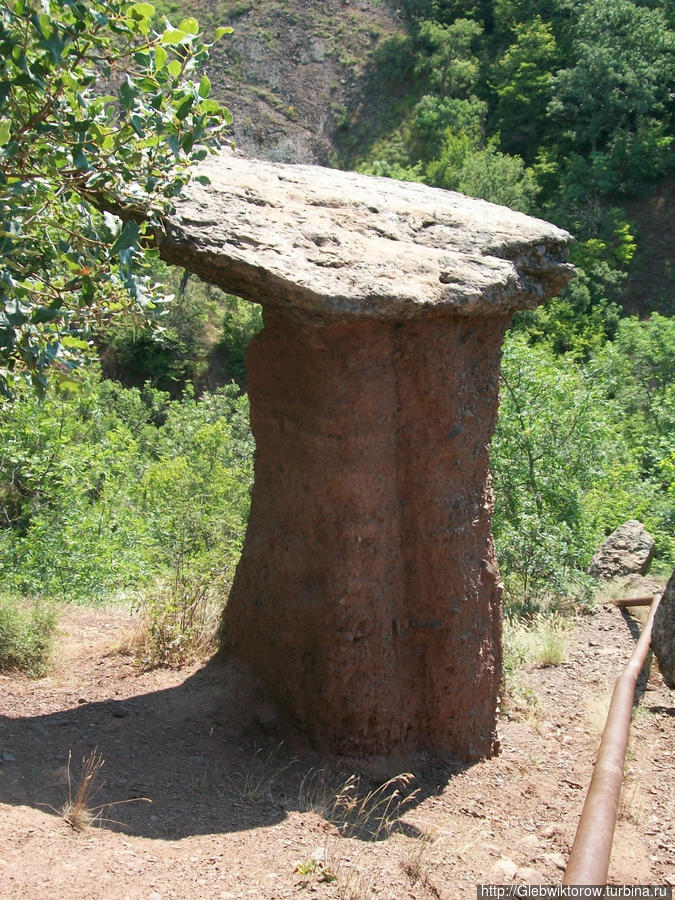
(634, 601)
(589, 858)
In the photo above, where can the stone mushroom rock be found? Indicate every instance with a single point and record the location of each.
(628, 549)
(320, 243)
(663, 633)
(367, 600)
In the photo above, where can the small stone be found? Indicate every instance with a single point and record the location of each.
(525, 875)
(504, 869)
(556, 859)
(319, 854)
(530, 841)
(550, 829)
(7, 757)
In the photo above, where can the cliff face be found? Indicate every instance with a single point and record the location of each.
(292, 70)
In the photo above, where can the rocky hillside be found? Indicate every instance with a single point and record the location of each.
(293, 70)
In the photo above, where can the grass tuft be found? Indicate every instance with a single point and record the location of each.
(78, 810)
(257, 784)
(540, 640)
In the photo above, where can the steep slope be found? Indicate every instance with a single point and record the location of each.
(292, 70)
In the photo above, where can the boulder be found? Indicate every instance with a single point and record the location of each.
(627, 550)
(367, 600)
(663, 633)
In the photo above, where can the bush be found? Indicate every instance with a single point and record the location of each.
(26, 634)
(112, 488)
(555, 440)
(580, 447)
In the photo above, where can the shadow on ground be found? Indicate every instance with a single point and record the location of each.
(197, 752)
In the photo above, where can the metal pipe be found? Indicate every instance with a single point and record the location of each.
(634, 601)
(589, 858)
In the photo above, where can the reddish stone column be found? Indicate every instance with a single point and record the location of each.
(367, 596)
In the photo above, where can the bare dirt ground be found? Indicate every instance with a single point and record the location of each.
(231, 816)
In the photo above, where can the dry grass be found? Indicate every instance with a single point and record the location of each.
(414, 862)
(257, 783)
(79, 811)
(177, 623)
(367, 814)
(361, 817)
(540, 640)
(373, 814)
(630, 808)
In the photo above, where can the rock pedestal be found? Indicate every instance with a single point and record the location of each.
(367, 598)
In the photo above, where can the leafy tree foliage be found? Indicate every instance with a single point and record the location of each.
(622, 72)
(522, 80)
(563, 112)
(445, 57)
(579, 449)
(101, 115)
(107, 489)
(483, 172)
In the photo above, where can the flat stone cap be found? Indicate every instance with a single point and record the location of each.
(326, 243)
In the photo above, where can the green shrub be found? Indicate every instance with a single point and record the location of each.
(112, 488)
(26, 635)
(579, 448)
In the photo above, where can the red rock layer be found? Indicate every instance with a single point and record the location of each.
(367, 597)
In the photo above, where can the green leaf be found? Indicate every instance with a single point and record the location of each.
(76, 343)
(221, 31)
(128, 92)
(5, 131)
(80, 160)
(45, 314)
(173, 36)
(160, 57)
(45, 25)
(67, 382)
(184, 107)
(190, 26)
(127, 238)
(204, 87)
(175, 68)
(142, 10)
(136, 123)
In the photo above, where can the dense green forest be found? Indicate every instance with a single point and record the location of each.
(128, 478)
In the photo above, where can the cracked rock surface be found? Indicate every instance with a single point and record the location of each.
(343, 245)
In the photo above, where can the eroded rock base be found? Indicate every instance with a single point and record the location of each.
(367, 597)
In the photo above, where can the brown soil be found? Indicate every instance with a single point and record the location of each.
(227, 820)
